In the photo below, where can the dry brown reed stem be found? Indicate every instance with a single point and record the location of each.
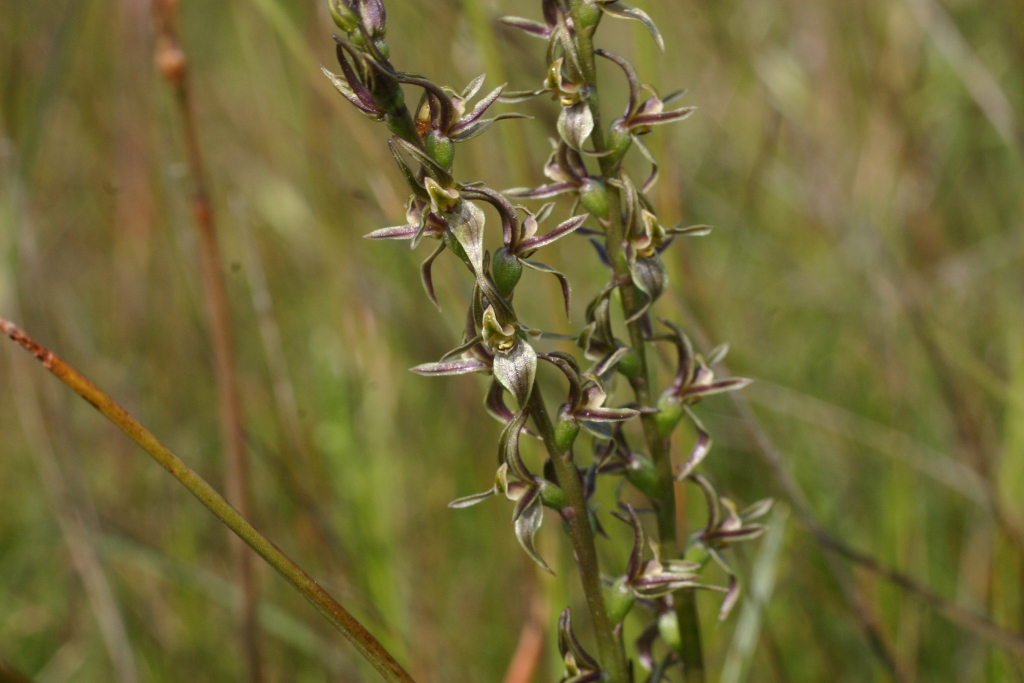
(530, 648)
(356, 633)
(173, 66)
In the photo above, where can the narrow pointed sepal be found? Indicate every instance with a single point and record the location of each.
(717, 387)
(625, 11)
(562, 280)
(457, 367)
(527, 517)
(469, 501)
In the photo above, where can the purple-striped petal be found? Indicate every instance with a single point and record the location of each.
(349, 94)
(732, 594)
(744, 534)
(478, 127)
(397, 232)
(469, 501)
(534, 28)
(517, 96)
(624, 11)
(473, 88)
(663, 117)
(564, 281)
(478, 111)
(425, 274)
(562, 230)
(360, 90)
(685, 364)
(692, 231)
(631, 76)
(721, 386)
(542, 192)
(607, 414)
(447, 107)
(510, 226)
(457, 367)
(700, 451)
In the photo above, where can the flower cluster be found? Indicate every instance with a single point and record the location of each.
(616, 214)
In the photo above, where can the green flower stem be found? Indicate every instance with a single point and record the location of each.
(585, 46)
(399, 121)
(577, 517)
(665, 502)
(355, 632)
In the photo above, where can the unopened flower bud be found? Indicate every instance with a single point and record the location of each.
(374, 18)
(344, 14)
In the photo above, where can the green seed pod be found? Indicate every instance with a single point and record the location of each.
(644, 476)
(588, 15)
(668, 629)
(566, 431)
(620, 600)
(629, 365)
(594, 197)
(619, 141)
(670, 412)
(697, 554)
(441, 148)
(506, 270)
(552, 496)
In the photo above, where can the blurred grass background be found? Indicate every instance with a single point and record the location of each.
(862, 165)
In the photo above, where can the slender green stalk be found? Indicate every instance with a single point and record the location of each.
(582, 536)
(659, 448)
(356, 633)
